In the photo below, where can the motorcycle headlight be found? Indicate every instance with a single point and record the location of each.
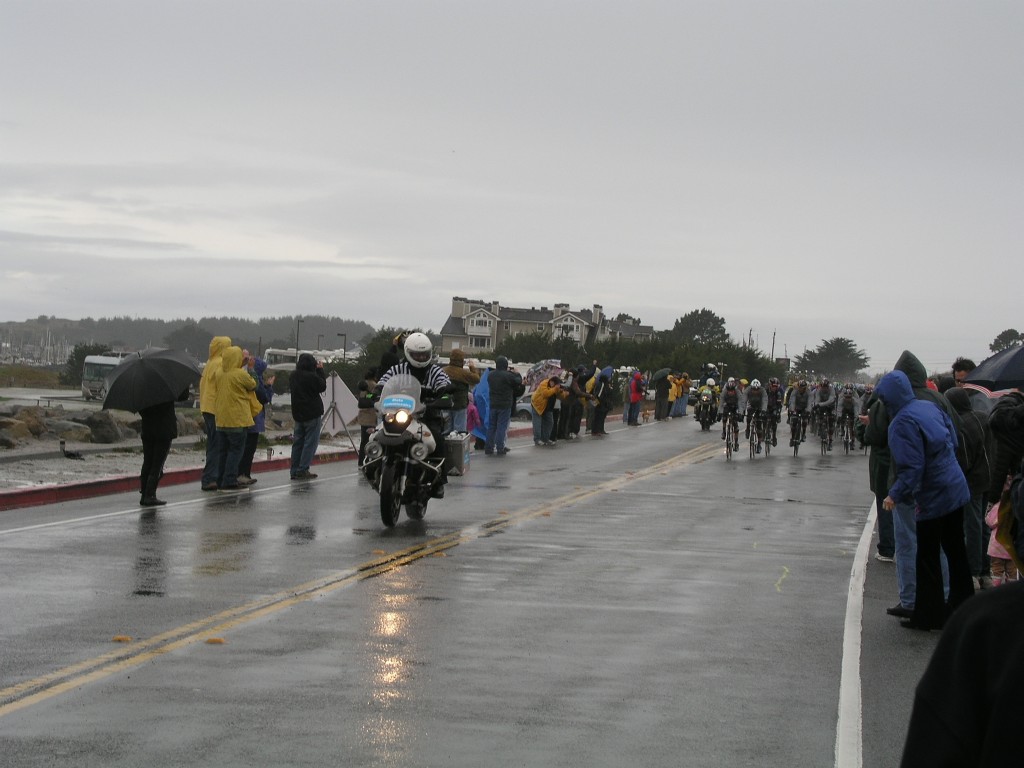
(419, 452)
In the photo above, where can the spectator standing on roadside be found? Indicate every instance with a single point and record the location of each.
(602, 395)
(159, 428)
(876, 435)
(662, 390)
(681, 391)
(208, 406)
(543, 402)
(308, 382)
(961, 367)
(977, 443)
(637, 391)
(264, 394)
(464, 378)
(922, 442)
(503, 387)
(366, 418)
(236, 404)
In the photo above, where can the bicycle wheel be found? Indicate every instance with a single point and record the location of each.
(823, 433)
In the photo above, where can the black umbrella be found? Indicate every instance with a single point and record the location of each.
(150, 377)
(661, 373)
(1004, 370)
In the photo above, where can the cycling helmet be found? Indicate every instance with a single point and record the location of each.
(774, 381)
(731, 382)
(802, 383)
(709, 383)
(418, 350)
(755, 384)
(744, 382)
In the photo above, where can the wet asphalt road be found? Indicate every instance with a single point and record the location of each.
(627, 601)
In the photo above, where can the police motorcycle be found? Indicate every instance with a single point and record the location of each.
(398, 460)
(706, 412)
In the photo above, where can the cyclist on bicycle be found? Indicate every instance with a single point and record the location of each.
(774, 403)
(824, 402)
(757, 402)
(731, 405)
(849, 408)
(799, 408)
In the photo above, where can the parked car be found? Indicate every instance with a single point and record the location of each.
(524, 408)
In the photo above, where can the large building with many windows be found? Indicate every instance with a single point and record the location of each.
(476, 326)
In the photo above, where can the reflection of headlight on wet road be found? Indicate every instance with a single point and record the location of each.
(390, 623)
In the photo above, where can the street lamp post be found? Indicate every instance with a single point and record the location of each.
(298, 322)
(319, 340)
(344, 343)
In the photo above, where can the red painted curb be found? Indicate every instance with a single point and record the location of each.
(55, 494)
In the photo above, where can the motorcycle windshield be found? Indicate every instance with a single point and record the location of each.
(400, 393)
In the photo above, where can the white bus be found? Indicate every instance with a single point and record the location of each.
(284, 359)
(94, 371)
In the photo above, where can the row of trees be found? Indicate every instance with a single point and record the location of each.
(697, 338)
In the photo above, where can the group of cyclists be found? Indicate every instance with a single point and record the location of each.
(824, 408)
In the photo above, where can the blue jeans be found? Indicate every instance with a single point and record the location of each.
(305, 439)
(231, 445)
(212, 469)
(497, 428)
(458, 420)
(634, 412)
(905, 529)
(542, 424)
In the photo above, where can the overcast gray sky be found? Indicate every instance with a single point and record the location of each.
(808, 169)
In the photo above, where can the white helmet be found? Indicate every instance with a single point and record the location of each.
(710, 382)
(731, 382)
(755, 384)
(418, 350)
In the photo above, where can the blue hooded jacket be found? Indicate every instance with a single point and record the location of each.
(922, 441)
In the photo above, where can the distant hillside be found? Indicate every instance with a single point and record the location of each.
(187, 333)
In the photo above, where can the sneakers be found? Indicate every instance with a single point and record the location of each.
(304, 475)
(245, 480)
(549, 442)
(539, 443)
(503, 451)
(884, 558)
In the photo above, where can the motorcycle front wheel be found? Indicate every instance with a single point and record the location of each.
(390, 495)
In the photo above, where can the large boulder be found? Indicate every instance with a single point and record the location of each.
(13, 431)
(71, 431)
(105, 427)
(34, 418)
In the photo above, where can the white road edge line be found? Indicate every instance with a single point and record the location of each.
(849, 726)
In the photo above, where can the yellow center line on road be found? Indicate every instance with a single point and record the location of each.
(36, 690)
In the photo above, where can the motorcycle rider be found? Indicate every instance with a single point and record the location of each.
(799, 405)
(731, 404)
(710, 388)
(420, 364)
(824, 402)
(775, 403)
(757, 400)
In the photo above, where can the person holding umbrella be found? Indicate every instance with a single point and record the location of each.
(148, 383)
(159, 428)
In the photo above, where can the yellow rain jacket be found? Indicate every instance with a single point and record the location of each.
(542, 396)
(234, 391)
(207, 387)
